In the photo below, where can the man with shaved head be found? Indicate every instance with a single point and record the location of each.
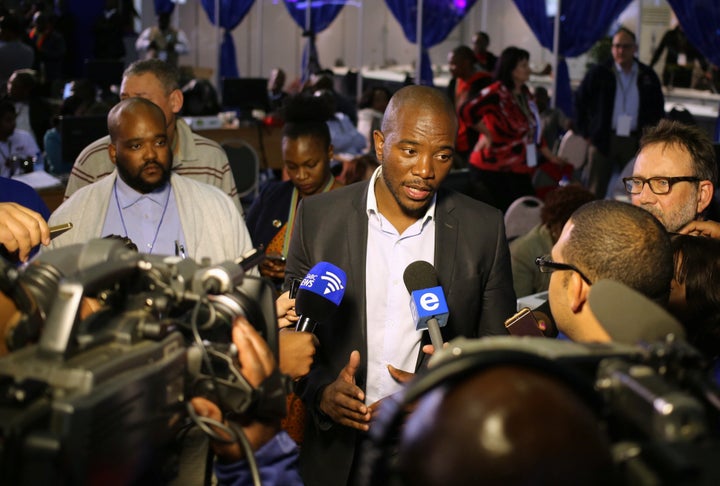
(161, 212)
(373, 231)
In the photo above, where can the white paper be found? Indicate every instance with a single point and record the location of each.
(623, 125)
(531, 155)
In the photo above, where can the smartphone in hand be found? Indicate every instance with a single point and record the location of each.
(524, 323)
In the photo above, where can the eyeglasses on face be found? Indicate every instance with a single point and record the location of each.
(658, 185)
(546, 265)
(623, 46)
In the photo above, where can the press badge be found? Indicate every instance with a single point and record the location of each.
(531, 155)
(623, 125)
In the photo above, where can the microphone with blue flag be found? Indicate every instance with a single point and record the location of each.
(428, 305)
(319, 294)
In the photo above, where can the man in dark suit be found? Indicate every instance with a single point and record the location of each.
(373, 231)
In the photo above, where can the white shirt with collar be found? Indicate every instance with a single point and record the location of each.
(391, 335)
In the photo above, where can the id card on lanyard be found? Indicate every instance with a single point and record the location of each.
(531, 154)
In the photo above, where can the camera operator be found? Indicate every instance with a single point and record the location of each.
(275, 452)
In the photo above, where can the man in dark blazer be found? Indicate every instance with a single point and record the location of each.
(467, 244)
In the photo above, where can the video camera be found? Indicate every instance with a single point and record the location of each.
(105, 396)
(657, 403)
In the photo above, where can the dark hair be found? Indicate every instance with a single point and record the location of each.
(306, 115)
(484, 35)
(560, 204)
(690, 138)
(507, 63)
(627, 31)
(618, 241)
(464, 52)
(166, 73)
(366, 100)
(697, 265)
(6, 106)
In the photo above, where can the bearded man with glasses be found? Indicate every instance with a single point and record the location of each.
(674, 175)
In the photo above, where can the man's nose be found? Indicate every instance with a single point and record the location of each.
(424, 167)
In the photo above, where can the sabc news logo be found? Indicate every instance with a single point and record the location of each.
(333, 282)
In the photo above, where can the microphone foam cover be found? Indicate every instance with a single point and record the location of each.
(420, 275)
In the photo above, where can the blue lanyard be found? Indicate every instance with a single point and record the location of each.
(162, 216)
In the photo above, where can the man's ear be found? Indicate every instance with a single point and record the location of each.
(113, 153)
(705, 195)
(578, 291)
(379, 139)
(176, 100)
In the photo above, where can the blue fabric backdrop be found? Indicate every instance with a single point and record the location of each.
(232, 12)
(700, 19)
(439, 18)
(164, 6)
(322, 14)
(582, 23)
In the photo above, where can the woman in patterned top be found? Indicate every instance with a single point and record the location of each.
(510, 145)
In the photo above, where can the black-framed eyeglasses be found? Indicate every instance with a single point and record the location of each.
(658, 185)
(546, 265)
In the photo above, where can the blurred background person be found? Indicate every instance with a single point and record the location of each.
(553, 121)
(18, 151)
(50, 50)
(468, 79)
(276, 89)
(680, 58)
(559, 206)
(15, 52)
(371, 108)
(510, 143)
(485, 59)
(162, 42)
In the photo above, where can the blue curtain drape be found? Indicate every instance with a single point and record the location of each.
(700, 20)
(582, 23)
(322, 14)
(164, 6)
(439, 18)
(232, 12)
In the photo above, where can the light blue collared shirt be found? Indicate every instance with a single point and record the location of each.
(627, 95)
(142, 214)
(391, 335)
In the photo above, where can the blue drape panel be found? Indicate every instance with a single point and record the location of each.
(700, 20)
(439, 18)
(164, 6)
(582, 23)
(232, 12)
(322, 14)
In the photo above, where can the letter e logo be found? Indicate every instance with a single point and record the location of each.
(429, 301)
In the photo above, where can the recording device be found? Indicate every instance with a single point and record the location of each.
(318, 295)
(59, 229)
(21, 164)
(428, 305)
(657, 402)
(106, 395)
(524, 323)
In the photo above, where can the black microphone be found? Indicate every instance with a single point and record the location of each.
(319, 294)
(428, 305)
(630, 317)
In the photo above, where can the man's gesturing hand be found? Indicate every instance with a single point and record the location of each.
(342, 400)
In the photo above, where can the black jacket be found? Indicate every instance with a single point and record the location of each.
(595, 98)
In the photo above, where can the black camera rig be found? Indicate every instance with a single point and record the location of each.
(105, 396)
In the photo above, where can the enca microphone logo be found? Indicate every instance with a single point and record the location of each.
(429, 302)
